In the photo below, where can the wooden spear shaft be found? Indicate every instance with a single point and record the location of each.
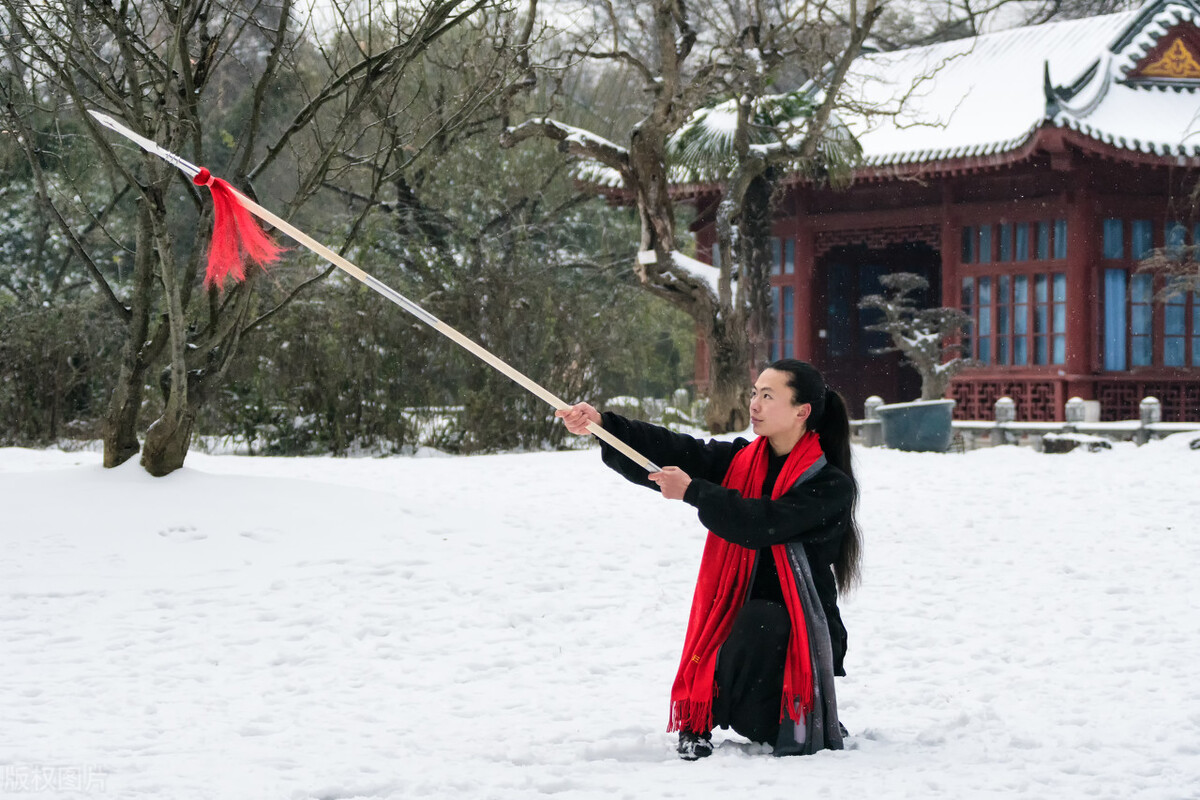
(382, 288)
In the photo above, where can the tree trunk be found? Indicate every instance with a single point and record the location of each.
(168, 440)
(756, 263)
(118, 429)
(935, 382)
(647, 159)
(729, 385)
(119, 426)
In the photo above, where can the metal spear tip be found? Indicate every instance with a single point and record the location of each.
(146, 144)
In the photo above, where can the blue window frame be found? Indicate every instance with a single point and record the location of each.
(776, 254)
(985, 244)
(1020, 320)
(1142, 238)
(1041, 319)
(1060, 238)
(1006, 241)
(968, 244)
(1141, 315)
(1114, 320)
(1022, 241)
(1114, 238)
(1195, 329)
(1043, 241)
(1003, 313)
(1175, 331)
(783, 307)
(789, 257)
(1024, 315)
(967, 303)
(984, 319)
(1058, 342)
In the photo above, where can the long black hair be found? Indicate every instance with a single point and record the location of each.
(831, 422)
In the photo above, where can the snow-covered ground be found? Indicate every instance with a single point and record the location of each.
(508, 627)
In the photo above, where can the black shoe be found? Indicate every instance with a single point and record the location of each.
(845, 733)
(693, 746)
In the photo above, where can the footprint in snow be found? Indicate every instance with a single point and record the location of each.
(265, 536)
(182, 533)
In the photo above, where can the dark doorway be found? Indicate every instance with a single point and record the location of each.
(843, 350)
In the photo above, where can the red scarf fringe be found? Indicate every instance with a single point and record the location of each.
(721, 588)
(236, 235)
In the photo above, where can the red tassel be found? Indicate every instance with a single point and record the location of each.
(236, 235)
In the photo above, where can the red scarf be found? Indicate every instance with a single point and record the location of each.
(721, 589)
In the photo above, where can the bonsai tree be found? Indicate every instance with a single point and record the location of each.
(920, 335)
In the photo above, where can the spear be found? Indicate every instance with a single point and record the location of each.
(229, 201)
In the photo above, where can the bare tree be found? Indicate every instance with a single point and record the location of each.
(249, 89)
(682, 56)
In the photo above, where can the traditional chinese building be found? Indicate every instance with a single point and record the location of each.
(1025, 173)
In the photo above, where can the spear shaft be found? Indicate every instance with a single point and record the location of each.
(379, 286)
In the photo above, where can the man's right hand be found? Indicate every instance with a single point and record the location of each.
(577, 417)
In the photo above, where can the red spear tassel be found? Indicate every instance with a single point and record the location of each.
(236, 235)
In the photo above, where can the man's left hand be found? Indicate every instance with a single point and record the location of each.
(672, 481)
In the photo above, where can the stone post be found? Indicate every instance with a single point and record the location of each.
(1006, 411)
(872, 429)
(1149, 412)
(1075, 413)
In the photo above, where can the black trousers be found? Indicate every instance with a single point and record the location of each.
(749, 674)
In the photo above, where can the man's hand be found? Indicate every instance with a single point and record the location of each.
(577, 418)
(672, 481)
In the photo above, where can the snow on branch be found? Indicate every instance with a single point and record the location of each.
(706, 274)
(574, 141)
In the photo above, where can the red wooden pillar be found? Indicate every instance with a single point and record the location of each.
(1083, 254)
(804, 282)
(951, 247)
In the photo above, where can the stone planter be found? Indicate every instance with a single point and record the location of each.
(922, 426)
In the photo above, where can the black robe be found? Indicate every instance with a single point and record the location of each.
(811, 518)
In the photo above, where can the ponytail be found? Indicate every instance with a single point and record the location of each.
(830, 420)
(833, 428)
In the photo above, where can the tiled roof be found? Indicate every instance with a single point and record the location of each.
(990, 94)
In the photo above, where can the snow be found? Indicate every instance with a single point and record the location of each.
(509, 626)
(587, 169)
(705, 273)
(580, 136)
(1146, 121)
(985, 95)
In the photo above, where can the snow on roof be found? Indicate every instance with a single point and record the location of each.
(987, 95)
(1158, 122)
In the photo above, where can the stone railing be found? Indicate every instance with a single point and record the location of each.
(1082, 426)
